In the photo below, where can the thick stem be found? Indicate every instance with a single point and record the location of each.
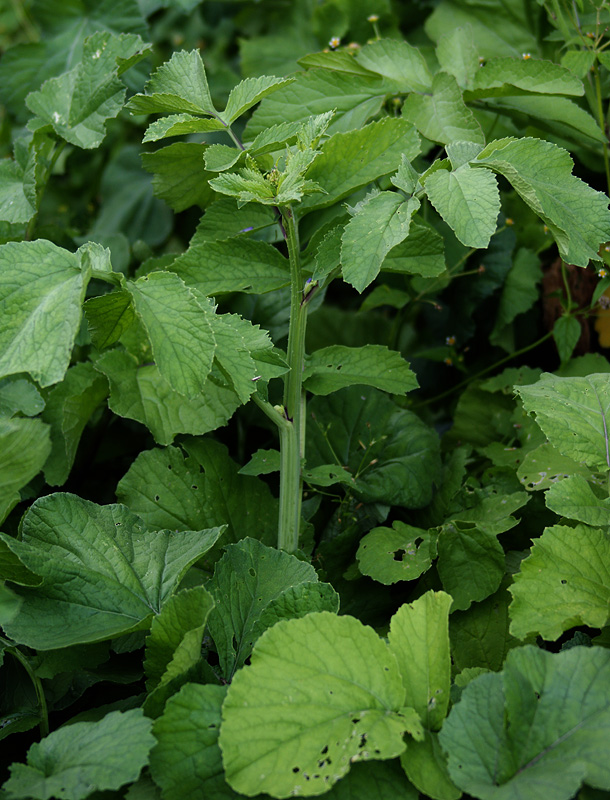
(292, 436)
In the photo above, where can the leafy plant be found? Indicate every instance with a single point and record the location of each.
(349, 537)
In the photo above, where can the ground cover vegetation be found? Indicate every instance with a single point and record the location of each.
(304, 402)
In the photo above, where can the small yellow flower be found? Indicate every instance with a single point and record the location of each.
(546, 230)
(334, 42)
(448, 361)
(510, 221)
(607, 248)
(591, 35)
(603, 273)
(525, 56)
(450, 341)
(373, 18)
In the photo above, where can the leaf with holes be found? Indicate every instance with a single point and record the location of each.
(399, 553)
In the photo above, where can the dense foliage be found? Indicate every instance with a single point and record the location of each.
(304, 408)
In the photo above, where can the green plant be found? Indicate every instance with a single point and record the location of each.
(383, 201)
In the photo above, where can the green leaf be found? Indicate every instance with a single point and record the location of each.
(18, 201)
(70, 405)
(574, 415)
(443, 116)
(40, 304)
(224, 219)
(458, 55)
(399, 553)
(238, 265)
(262, 463)
(519, 294)
(77, 104)
(374, 780)
(563, 583)
(108, 317)
(421, 253)
(103, 572)
(9, 604)
(179, 328)
(85, 757)
(566, 333)
(541, 173)
(502, 76)
(544, 465)
(399, 61)
(391, 454)
(469, 202)
(184, 614)
(470, 563)
(426, 767)
(306, 709)
(179, 125)
(18, 395)
(351, 160)
(180, 177)
(335, 367)
(219, 157)
(25, 445)
(140, 392)
(186, 760)
(248, 578)
(380, 224)
(250, 92)
(168, 490)
(520, 734)
(176, 87)
(419, 638)
(574, 498)
(578, 62)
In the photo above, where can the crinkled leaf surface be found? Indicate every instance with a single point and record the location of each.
(41, 290)
(322, 692)
(248, 578)
(73, 762)
(563, 583)
(248, 93)
(541, 172)
(469, 202)
(178, 125)
(18, 201)
(351, 160)
(19, 395)
(378, 226)
(25, 445)
(103, 572)
(443, 116)
(335, 367)
(520, 734)
(108, 317)
(399, 553)
(140, 392)
(167, 489)
(419, 638)
(180, 177)
(574, 413)
(392, 455)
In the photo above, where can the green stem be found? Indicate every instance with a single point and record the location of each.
(600, 119)
(292, 436)
(42, 701)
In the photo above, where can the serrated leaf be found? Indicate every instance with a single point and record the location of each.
(377, 227)
(77, 104)
(180, 177)
(573, 413)
(25, 445)
(346, 708)
(179, 328)
(262, 463)
(519, 734)
(73, 762)
(399, 553)
(541, 173)
(70, 405)
(566, 333)
(178, 86)
(140, 392)
(564, 582)
(458, 55)
(224, 219)
(335, 367)
(103, 572)
(443, 116)
(349, 161)
(470, 563)
(421, 253)
(108, 317)
(397, 60)
(168, 490)
(186, 760)
(180, 125)
(183, 615)
(578, 62)
(574, 498)
(248, 93)
(238, 265)
(247, 579)
(502, 76)
(469, 202)
(40, 304)
(219, 157)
